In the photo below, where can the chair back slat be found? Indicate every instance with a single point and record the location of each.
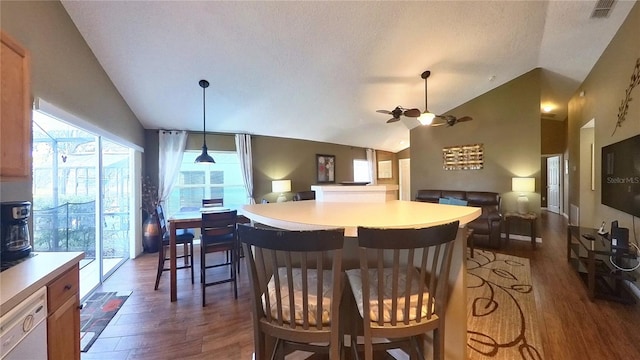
(380, 274)
(319, 289)
(213, 202)
(161, 220)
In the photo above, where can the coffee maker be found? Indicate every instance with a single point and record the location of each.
(14, 224)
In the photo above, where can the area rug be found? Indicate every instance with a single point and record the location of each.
(96, 314)
(501, 308)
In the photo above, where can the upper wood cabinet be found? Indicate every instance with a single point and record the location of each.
(15, 111)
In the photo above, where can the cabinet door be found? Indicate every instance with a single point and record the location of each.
(63, 331)
(15, 111)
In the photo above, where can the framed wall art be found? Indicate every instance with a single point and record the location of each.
(385, 169)
(325, 169)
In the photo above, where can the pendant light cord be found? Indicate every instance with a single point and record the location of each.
(204, 116)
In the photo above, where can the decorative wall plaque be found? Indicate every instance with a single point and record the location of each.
(463, 157)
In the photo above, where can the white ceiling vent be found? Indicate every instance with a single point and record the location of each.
(602, 8)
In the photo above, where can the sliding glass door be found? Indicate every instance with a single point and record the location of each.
(82, 190)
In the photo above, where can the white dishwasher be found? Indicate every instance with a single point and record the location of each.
(23, 330)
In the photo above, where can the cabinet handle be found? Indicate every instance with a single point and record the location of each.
(68, 287)
(80, 307)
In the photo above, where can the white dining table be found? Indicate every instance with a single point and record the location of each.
(312, 215)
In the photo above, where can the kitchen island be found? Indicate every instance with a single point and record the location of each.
(355, 193)
(313, 215)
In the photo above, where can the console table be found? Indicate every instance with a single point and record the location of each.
(589, 253)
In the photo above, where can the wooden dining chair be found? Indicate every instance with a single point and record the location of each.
(218, 234)
(182, 238)
(401, 287)
(297, 285)
(212, 202)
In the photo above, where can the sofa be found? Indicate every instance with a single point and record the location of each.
(487, 227)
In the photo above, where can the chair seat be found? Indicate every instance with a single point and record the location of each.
(297, 294)
(355, 280)
(180, 238)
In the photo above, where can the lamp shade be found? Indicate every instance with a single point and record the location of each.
(280, 186)
(523, 184)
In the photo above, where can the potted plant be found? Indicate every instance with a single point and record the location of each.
(151, 232)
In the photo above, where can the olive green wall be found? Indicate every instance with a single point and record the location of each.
(273, 159)
(604, 89)
(554, 137)
(506, 121)
(65, 73)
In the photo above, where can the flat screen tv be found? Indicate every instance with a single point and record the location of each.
(621, 175)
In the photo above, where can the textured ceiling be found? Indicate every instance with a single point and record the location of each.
(320, 70)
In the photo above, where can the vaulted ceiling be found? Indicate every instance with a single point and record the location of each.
(320, 70)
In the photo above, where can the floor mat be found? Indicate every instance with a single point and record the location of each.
(501, 308)
(96, 314)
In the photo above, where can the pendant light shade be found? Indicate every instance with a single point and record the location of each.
(204, 158)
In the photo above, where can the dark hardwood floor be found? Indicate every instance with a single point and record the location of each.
(149, 326)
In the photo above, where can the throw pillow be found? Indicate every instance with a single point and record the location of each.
(444, 201)
(454, 201)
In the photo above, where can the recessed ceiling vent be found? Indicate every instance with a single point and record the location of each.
(603, 8)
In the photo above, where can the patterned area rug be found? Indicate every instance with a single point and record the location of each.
(96, 314)
(501, 309)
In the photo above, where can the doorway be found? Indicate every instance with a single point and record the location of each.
(553, 183)
(404, 179)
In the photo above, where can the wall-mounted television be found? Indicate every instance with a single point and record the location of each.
(621, 175)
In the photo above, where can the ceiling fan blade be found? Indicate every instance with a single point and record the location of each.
(465, 118)
(384, 112)
(412, 113)
(392, 120)
(437, 124)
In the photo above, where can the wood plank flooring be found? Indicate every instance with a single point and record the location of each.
(149, 326)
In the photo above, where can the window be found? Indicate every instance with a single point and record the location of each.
(361, 170)
(197, 181)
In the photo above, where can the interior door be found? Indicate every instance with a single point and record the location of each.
(405, 179)
(553, 184)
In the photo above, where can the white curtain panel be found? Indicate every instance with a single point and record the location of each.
(171, 150)
(243, 148)
(371, 159)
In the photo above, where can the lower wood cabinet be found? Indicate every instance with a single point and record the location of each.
(63, 322)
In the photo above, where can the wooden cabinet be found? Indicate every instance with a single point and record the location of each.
(63, 323)
(15, 110)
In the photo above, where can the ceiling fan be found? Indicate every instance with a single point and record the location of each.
(427, 117)
(399, 111)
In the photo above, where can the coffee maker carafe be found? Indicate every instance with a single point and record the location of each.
(14, 224)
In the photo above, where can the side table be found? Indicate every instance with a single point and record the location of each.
(528, 217)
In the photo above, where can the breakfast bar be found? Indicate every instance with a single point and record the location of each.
(312, 215)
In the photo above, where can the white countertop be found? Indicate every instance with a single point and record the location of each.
(20, 281)
(310, 214)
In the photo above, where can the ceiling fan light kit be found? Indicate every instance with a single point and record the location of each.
(427, 117)
(204, 158)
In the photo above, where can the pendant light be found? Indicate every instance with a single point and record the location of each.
(426, 118)
(204, 158)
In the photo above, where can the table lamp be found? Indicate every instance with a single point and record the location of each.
(523, 185)
(281, 186)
